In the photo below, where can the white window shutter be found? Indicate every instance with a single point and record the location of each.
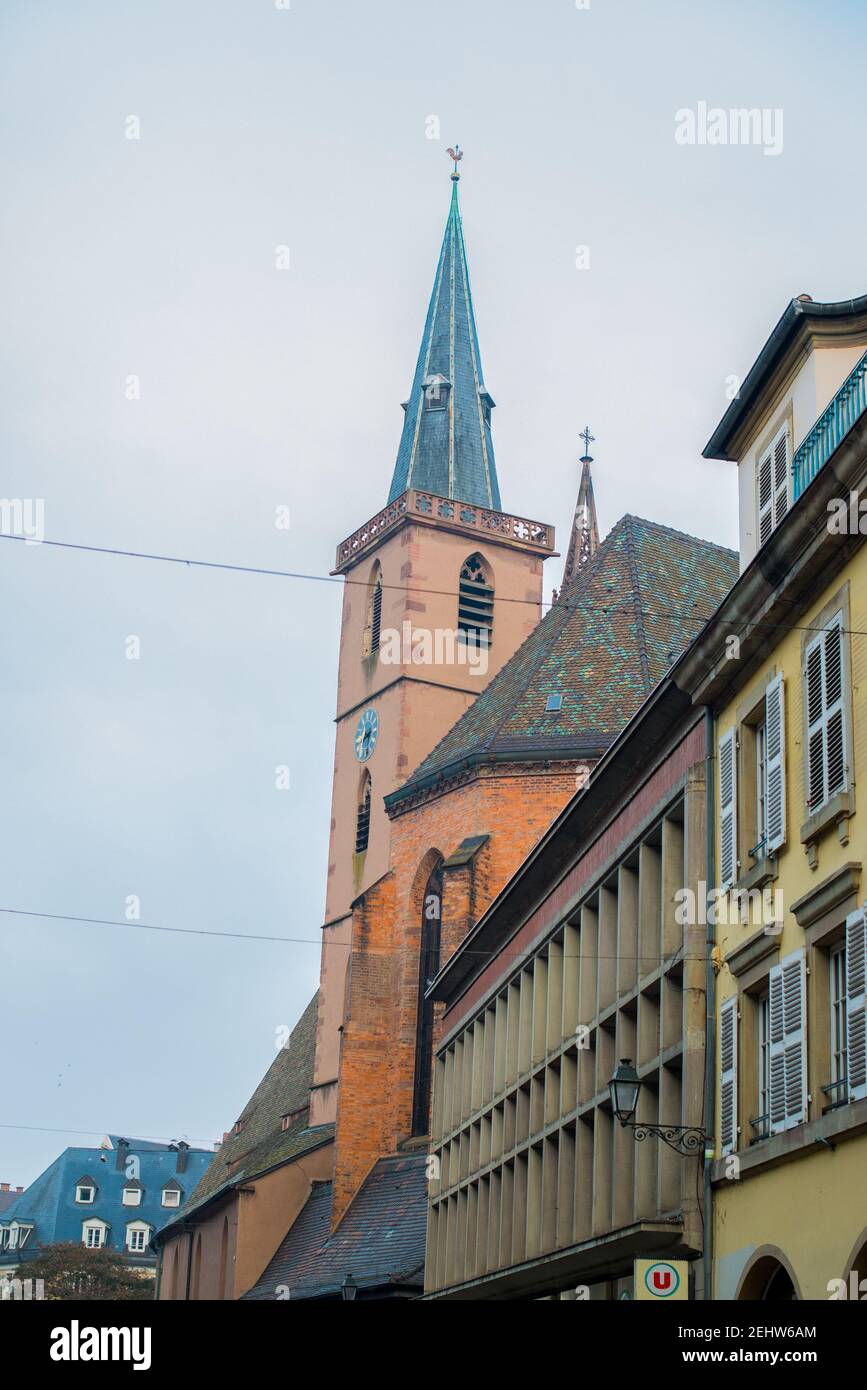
(781, 474)
(788, 1009)
(728, 818)
(729, 1076)
(856, 1004)
(775, 765)
(777, 1050)
(815, 707)
(835, 755)
(765, 491)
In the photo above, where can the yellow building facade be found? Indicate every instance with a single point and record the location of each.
(783, 668)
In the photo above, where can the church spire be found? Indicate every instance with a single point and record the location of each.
(446, 446)
(585, 530)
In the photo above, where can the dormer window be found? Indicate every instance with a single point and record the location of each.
(553, 704)
(85, 1191)
(132, 1196)
(171, 1196)
(487, 403)
(436, 392)
(772, 483)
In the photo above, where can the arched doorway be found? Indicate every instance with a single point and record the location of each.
(769, 1279)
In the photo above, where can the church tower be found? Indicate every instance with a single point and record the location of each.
(441, 588)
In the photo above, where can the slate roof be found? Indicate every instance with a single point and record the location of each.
(49, 1202)
(262, 1143)
(616, 630)
(449, 451)
(380, 1240)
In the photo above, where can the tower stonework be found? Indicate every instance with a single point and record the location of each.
(441, 588)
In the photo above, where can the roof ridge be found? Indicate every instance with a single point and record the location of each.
(673, 531)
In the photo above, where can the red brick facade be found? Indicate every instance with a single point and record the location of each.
(511, 804)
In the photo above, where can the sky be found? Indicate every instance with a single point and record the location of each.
(169, 382)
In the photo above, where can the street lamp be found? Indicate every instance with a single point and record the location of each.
(623, 1088)
(349, 1289)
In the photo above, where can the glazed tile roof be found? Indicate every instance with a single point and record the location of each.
(449, 451)
(380, 1240)
(262, 1142)
(626, 616)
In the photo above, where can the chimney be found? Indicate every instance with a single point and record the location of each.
(183, 1149)
(4, 1187)
(122, 1146)
(19, 1189)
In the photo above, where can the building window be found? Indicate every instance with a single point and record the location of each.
(93, 1234)
(824, 697)
(475, 603)
(136, 1239)
(429, 961)
(84, 1192)
(772, 483)
(362, 823)
(761, 1125)
(132, 1196)
(761, 774)
(436, 392)
(373, 620)
(837, 1002)
(171, 1197)
(553, 704)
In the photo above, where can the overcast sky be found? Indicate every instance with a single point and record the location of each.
(156, 258)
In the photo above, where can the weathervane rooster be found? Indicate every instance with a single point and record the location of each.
(456, 154)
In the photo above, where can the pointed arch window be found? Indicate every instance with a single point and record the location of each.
(373, 620)
(362, 824)
(428, 965)
(475, 603)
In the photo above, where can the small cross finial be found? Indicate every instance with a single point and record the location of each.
(588, 440)
(456, 154)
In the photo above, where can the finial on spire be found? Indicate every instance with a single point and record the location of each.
(456, 154)
(585, 530)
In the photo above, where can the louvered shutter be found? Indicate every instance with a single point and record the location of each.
(826, 736)
(815, 704)
(856, 1004)
(781, 475)
(835, 758)
(765, 488)
(728, 811)
(788, 1010)
(775, 765)
(729, 1076)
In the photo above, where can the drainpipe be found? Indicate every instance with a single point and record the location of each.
(710, 997)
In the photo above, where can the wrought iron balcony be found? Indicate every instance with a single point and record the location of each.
(831, 428)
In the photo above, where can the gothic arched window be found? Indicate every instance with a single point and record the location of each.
(475, 603)
(373, 619)
(362, 824)
(428, 965)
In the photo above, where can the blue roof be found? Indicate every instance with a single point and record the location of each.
(50, 1200)
(449, 451)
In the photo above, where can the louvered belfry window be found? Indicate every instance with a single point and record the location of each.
(825, 688)
(475, 603)
(373, 622)
(773, 484)
(362, 825)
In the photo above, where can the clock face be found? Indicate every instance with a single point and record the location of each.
(366, 735)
